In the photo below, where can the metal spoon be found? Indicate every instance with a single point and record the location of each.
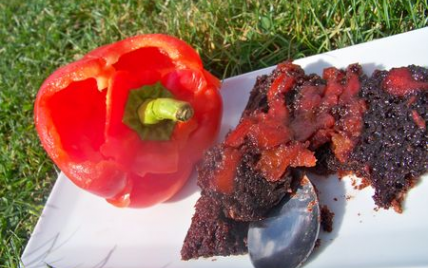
(287, 237)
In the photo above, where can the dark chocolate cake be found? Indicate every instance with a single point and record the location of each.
(212, 233)
(344, 121)
(236, 188)
(392, 151)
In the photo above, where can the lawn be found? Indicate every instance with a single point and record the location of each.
(232, 36)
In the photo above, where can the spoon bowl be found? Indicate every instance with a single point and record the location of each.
(288, 235)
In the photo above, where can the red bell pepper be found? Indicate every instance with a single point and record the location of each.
(129, 120)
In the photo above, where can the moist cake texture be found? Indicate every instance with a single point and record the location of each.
(344, 121)
(392, 152)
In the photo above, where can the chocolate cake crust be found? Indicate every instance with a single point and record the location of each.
(211, 233)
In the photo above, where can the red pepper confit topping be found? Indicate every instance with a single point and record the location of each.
(287, 135)
(400, 82)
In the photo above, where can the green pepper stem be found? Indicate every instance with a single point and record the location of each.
(155, 110)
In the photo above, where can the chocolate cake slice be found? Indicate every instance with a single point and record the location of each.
(249, 173)
(392, 152)
(344, 121)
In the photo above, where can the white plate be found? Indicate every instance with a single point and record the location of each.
(77, 229)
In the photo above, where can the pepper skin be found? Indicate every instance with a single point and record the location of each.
(81, 108)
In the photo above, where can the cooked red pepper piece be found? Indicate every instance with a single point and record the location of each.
(129, 120)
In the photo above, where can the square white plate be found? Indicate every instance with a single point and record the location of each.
(77, 229)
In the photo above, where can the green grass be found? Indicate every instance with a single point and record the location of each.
(232, 36)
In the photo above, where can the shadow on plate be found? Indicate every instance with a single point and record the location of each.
(188, 189)
(331, 193)
(329, 61)
(369, 68)
(318, 66)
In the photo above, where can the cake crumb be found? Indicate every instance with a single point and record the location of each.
(326, 219)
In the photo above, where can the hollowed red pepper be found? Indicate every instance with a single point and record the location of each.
(129, 120)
